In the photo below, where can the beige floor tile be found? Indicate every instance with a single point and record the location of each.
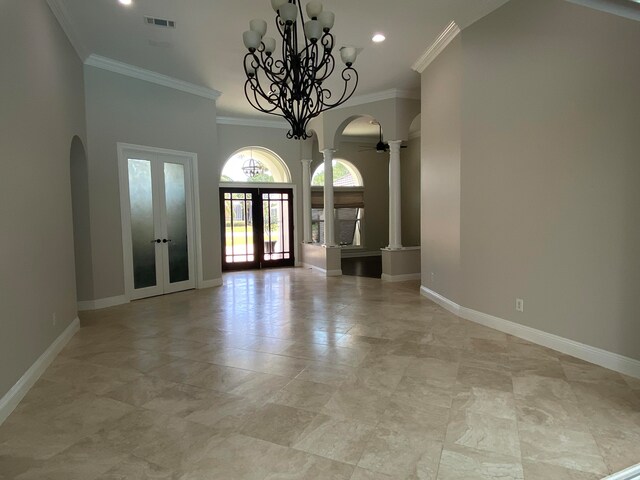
(357, 403)
(355, 378)
(138, 469)
(362, 474)
(483, 432)
(180, 400)
(545, 471)
(305, 395)
(485, 378)
(278, 424)
(401, 455)
(335, 438)
(260, 386)
(484, 401)
(461, 463)
(85, 460)
(325, 373)
(561, 447)
(421, 418)
(620, 447)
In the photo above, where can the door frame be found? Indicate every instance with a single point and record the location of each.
(125, 211)
(293, 186)
(257, 189)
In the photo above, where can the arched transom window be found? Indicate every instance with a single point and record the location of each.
(345, 174)
(255, 165)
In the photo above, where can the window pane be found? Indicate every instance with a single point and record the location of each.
(142, 229)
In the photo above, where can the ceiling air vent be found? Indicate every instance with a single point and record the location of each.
(159, 22)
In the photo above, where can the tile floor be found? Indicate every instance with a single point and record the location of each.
(284, 374)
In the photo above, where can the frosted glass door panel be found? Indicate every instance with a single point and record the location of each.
(177, 226)
(142, 223)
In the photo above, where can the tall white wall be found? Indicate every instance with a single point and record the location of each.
(42, 108)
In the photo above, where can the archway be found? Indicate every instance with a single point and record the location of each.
(79, 176)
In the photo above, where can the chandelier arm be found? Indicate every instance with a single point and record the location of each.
(257, 93)
(348, 74)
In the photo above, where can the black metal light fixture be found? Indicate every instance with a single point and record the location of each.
(292, 86)
(252, 167)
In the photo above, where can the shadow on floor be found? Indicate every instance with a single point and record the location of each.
(362, 266)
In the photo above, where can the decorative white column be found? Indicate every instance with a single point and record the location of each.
(395, 207)
(306, 200)
(329, 221)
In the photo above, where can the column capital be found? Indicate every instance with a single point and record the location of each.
(307, 161)
(395, 145)
(328, 151)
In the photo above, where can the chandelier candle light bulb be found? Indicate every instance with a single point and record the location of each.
(288, 80)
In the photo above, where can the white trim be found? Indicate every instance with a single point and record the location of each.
(401, 249)
(400, 278)
(62, 15)
(214, 282)
(436, 48)
(631, 473)
(148, 76)
(328, 273)
(13, 397)
(610, 360)
(102, 303)
(379, 96)
(253, 122)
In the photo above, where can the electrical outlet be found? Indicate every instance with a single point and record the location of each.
(519, 305)
(54, 319)
(433, 278)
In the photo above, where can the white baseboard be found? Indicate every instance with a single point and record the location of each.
(12, 398)
(610, 360)
(631, 473)
(328, 273)
(214, 282)
(400, 278)
(346, 253)
(102, 303)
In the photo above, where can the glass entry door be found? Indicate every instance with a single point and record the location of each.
(157, 223)
(257, 228)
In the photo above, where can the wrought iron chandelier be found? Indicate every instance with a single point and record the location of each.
(292, 86)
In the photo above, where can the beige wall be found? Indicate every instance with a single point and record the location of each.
(42, 109)
(410, 178)
(440, 173)
(374, 168)
(124, 109)
(549, 170)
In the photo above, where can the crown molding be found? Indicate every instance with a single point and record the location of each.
(438, 46)
(62, 15)
(149, 76)
(253, 122)
(392, 93)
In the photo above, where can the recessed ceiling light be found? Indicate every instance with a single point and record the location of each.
(126, 2)
(378, 37)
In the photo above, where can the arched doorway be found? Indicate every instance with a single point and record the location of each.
(256, 211)
(79, 175)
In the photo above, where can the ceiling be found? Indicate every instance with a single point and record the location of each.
(206, 46)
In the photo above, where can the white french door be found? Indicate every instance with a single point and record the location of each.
(158, 222)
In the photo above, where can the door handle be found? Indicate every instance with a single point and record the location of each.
(157, 240)
(164, 240)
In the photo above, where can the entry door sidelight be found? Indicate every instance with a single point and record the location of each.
(257, 228)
